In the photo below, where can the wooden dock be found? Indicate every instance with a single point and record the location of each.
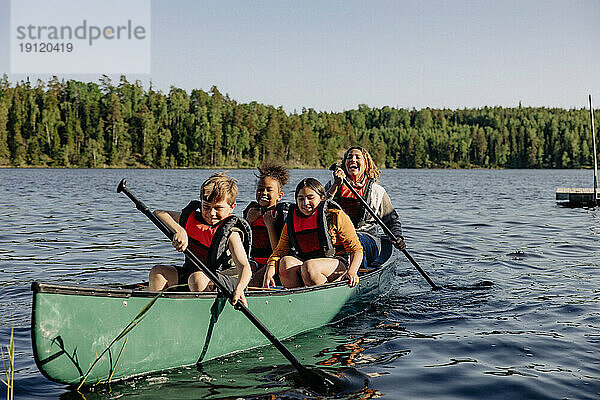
(583, 197)
(577, 197)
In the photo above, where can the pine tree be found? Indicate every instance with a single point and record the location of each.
(4, 151)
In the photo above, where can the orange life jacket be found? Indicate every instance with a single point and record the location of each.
(210, 243)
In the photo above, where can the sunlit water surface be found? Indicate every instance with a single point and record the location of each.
(535, 334)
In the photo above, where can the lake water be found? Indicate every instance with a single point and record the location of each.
(535, 334)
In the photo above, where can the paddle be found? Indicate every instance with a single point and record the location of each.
(387, 230)
(317, 379)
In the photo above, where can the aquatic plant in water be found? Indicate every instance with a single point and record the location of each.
(138, 318)
(9, 371)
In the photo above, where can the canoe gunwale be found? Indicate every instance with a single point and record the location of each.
(38, 287)
(386, 258)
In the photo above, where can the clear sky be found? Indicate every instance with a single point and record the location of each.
(334, 55)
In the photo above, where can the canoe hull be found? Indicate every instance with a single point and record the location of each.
(72, 326)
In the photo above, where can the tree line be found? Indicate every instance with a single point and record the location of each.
(108, 124)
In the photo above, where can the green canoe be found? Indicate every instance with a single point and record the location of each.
(72, 326)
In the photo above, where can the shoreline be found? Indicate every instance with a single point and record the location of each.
(591, 167)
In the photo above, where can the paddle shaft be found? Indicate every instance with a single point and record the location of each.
(213, 277)
(388, 232)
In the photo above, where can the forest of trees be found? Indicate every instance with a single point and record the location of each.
(108, 124)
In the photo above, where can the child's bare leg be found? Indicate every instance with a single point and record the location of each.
(257, 277)
(161, 277)
(198, 282)
(289, 272)
(319, 271)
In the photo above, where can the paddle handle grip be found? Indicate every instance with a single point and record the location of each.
(161, 225)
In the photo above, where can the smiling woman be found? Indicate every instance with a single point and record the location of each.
(362, 174)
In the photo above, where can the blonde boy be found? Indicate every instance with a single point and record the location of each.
(218, 238)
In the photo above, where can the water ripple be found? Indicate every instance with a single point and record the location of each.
(534, 334)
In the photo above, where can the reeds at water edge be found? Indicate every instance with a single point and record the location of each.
(138, 318)
(9, 371)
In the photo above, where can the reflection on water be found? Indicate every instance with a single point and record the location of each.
(534, 334)
(258, 373)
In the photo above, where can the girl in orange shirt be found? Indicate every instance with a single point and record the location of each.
(318, 243)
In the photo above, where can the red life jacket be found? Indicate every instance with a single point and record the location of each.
(210, 243)
(350, 204)
(261, 245)
(309, 235)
